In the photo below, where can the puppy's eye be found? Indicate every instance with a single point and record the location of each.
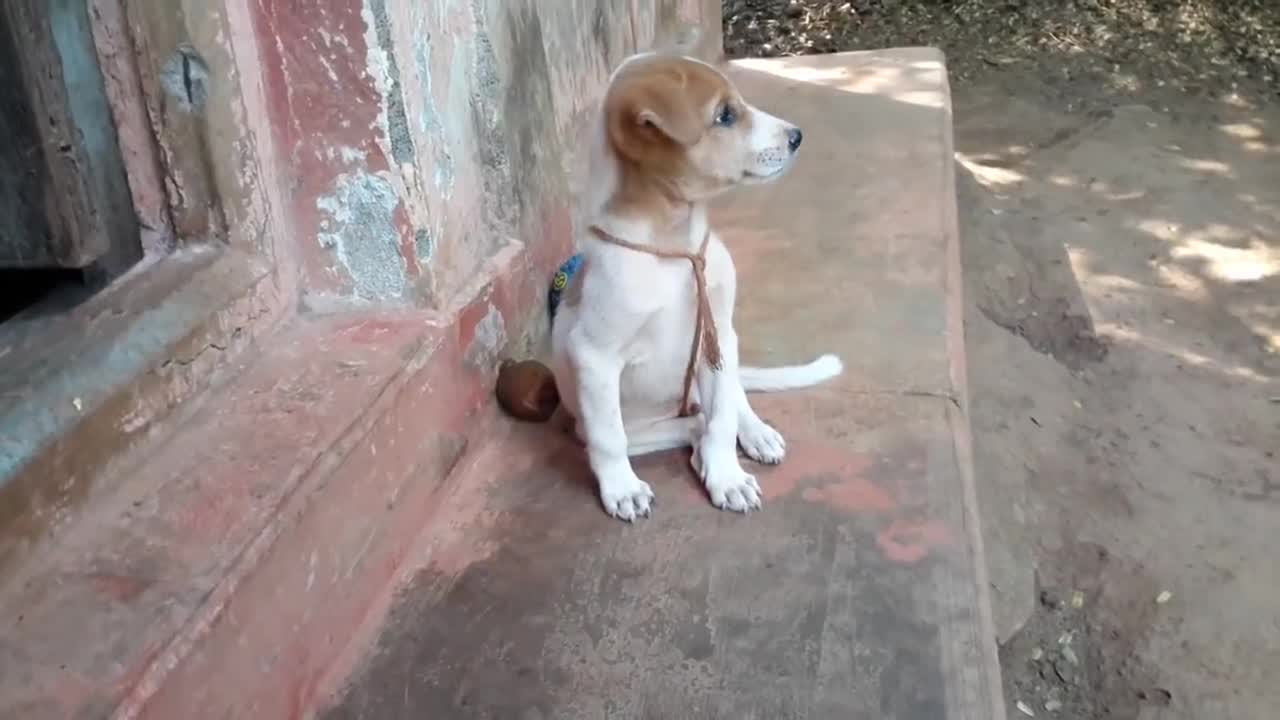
(726, 116)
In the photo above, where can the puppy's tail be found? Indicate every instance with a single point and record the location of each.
(790, 377)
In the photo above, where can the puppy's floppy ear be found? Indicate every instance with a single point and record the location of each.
(678, 122)
(655, 106)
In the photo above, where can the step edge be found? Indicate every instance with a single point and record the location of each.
(236, 317)
(508, 269)
(958, 414)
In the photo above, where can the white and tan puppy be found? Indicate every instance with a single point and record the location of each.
(673, 133)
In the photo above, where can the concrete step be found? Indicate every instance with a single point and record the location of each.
(219, 572)
(858, 591)
(348, 524)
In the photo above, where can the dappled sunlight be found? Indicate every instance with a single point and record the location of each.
(1229, 254)
(1260, 147)
(989, 176)
(1236, 101)
(1194, 270)
(1176, 277)
(1162, 229)
(1123, 335)
(1241, 131)
(896, 83)
(795, 71)
(1106, 283)
(1098, 285)
(1255, 262)
(1251, 136)
(1107, 191)
(1235, 236)
(1124, 196)
(923, 98)
(1269, 333)
(1168, 278)
(996, 160)
(1219, 233)
(1211, 167)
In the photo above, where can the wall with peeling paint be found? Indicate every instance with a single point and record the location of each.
(420, 138)
(293, 155)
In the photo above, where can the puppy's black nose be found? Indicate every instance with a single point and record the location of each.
(794, 138)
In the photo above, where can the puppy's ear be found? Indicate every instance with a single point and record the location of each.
(677, 121)
(654, 107)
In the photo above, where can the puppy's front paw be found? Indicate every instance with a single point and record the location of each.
(730, 487)
(626, 496)
(761, 442)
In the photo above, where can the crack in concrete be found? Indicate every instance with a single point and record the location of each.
(190, 359)
(953, 399)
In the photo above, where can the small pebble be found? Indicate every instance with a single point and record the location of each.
(1070, 655)
(1164, 597)
(1025, 709)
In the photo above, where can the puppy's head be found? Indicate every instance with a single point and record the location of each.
(680, 124)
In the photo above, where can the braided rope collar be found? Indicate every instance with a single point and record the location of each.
(705, 337)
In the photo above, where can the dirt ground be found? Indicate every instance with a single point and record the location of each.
(1119, 186)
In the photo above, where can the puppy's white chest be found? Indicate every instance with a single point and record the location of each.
(653, 376)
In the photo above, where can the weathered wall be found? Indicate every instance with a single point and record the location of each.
(419, 138)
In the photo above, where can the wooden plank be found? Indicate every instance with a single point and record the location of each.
(64, 200)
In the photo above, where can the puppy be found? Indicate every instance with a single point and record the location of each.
(673, 133)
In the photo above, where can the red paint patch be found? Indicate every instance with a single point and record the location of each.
(829, 475)
(852, 494)
(322, 135)
(121, 588)
(213, 518)
(910, 542)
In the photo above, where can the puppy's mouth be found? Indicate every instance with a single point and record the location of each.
(755, 177)
(768, 166)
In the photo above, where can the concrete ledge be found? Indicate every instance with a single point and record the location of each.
(246, 563)
(221, 576)
(858, 590)
(82, 388)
